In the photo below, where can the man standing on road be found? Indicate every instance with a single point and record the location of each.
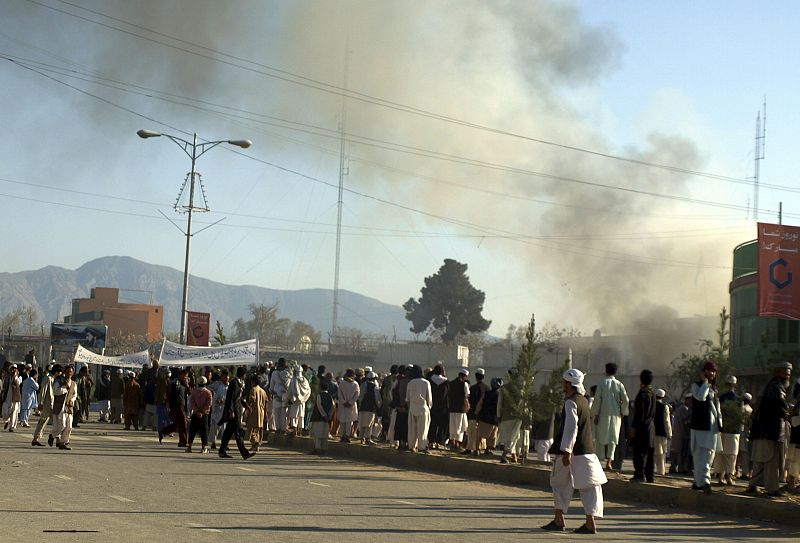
(575, 466)
(232, 416)
(347, 400)
(476, 393)
(278, 388)
(419, 400)
(200, 407)
(705, 423)
(609, 406)
(457, 405)
(768, 432)
(117, 388)
(46, 396)
(256, 414)
(643, 431)
(178, 392)
(369, 404)
(663, 427)
(732, 416)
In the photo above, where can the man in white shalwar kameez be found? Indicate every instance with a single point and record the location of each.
(575, 466)
(419, 399)
(705, 425)
(278, 388)
(610, 404)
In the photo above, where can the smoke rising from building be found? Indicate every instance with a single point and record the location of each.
(523, 67)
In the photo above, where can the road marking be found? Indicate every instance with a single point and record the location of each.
(318, 484)
(120, 499)
(202, 527)
(244, 468)
(115, 438)
(65, 477)
(410, 503)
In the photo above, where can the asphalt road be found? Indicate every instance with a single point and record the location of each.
(124, 486)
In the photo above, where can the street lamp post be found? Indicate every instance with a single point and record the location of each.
(194, 151)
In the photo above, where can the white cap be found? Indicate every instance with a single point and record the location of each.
(660, 393)
(371, 375)
(367, 369)
(748, 396)
(731, 379)
(463, 371)
(119, 371)
(576, 378)
(480, 371)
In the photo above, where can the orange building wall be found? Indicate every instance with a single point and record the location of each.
(121, 318)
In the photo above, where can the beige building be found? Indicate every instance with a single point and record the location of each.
(103, 307)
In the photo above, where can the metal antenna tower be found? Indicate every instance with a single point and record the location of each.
(343, 171)
(761, 136)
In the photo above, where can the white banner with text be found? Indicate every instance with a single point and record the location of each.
(234, 354)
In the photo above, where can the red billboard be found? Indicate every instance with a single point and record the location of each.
(778, 265)
(199, 329)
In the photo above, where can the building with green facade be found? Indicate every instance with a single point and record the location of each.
(756, 342)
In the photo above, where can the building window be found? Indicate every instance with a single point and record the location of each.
(794, 331)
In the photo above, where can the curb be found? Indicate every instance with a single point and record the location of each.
(536, 475)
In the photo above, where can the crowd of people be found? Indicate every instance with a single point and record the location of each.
(713, 431)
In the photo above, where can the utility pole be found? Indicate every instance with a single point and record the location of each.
(343, 171)
(761, 136)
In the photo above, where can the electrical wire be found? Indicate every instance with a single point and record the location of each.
(298, 79)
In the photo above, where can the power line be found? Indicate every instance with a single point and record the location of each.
(297, 79)
(581, 250)
(367, 230)
(396, 147)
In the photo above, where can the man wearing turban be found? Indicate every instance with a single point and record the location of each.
(575, 464)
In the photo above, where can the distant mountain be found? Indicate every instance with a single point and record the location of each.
(50, 291)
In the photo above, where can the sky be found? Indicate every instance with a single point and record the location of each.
(589, 161)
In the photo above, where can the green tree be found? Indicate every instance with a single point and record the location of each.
(219, 335)
(686, 368)
(550, 396)
(449, 304)
(520, 389)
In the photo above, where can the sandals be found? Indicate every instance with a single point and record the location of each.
(553, 527)
(585, 530)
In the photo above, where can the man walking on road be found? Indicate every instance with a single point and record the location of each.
(575, 466)
(46, 397)
(609, 406)
(232, 416)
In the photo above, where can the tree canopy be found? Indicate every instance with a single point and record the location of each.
(449, 304)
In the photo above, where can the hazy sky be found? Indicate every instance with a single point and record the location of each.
(453, 114)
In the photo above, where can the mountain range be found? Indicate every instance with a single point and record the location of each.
(50, 291)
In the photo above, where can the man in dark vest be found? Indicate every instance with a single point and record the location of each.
(575, 465)
(476, 393)
(705, 425)
(643, 432)
(232, 416)
(457, 406)
(437, 435)
(767, 433)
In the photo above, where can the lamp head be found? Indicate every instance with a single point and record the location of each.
(244, 144)
(144, 134)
